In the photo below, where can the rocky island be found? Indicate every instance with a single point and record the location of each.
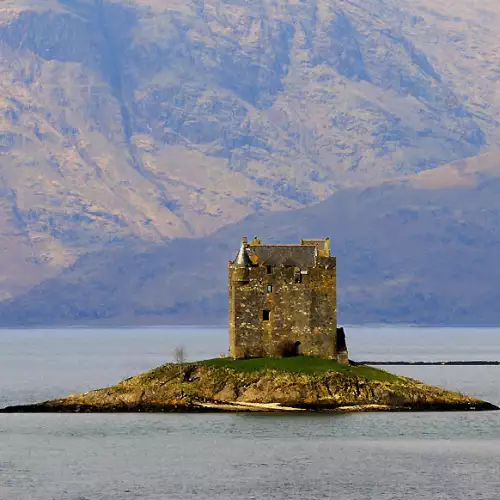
(299, 383)
(286, 352)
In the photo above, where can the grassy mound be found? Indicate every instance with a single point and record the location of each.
(300, 364)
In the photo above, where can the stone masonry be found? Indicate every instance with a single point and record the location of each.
(282, 296)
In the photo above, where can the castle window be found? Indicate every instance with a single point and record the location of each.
(269, 288)
(266, 314)
(269, 269)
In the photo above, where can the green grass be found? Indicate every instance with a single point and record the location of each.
(300, 364)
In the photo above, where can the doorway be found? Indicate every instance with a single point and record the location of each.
(297, 348)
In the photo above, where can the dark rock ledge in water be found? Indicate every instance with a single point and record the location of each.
(264, 385)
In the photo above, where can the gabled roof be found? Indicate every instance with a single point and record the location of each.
(283, 255)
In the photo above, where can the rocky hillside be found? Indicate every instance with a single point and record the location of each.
(126, 124)
(420, 249)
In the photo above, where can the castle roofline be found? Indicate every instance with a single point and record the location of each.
(283, 255)
(283, 245)
(321, 244)
(303, 254)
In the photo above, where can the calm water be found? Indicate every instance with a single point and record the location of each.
(268, 456)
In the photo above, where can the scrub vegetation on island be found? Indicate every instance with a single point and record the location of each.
(263, 384)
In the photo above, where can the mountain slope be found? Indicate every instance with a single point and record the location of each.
(421, 249)
(135, 121)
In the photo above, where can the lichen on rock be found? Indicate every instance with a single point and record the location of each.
(268, 384)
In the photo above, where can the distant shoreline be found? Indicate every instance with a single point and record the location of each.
(105, 325)
(429, 363)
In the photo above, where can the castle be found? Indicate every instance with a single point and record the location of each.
(283, 301)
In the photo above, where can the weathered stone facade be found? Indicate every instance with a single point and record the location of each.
(284, 295)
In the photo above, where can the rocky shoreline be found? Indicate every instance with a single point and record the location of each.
(238, 408)
(252, 386)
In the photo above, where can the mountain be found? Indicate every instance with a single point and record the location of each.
(129, 125)
(420, 249)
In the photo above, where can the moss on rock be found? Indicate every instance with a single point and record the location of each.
(267, 384)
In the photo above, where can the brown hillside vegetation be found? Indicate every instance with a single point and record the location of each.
(408, 250)
(126, 124)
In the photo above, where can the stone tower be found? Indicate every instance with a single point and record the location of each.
(284, 295)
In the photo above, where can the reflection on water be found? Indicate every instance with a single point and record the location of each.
(267, 456)
(362, 456)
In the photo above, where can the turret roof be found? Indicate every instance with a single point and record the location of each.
(242, 259)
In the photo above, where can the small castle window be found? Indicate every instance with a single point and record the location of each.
(266, 314)
(269, 288)
(269, 269)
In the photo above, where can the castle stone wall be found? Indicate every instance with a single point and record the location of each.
(301, 306)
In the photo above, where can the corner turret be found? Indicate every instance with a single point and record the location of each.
(242, 259)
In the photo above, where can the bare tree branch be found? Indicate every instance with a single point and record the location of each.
(180, 354)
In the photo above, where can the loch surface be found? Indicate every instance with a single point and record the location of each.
(248, 456)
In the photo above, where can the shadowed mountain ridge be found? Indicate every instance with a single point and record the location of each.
(411, 250)
(146, 121)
